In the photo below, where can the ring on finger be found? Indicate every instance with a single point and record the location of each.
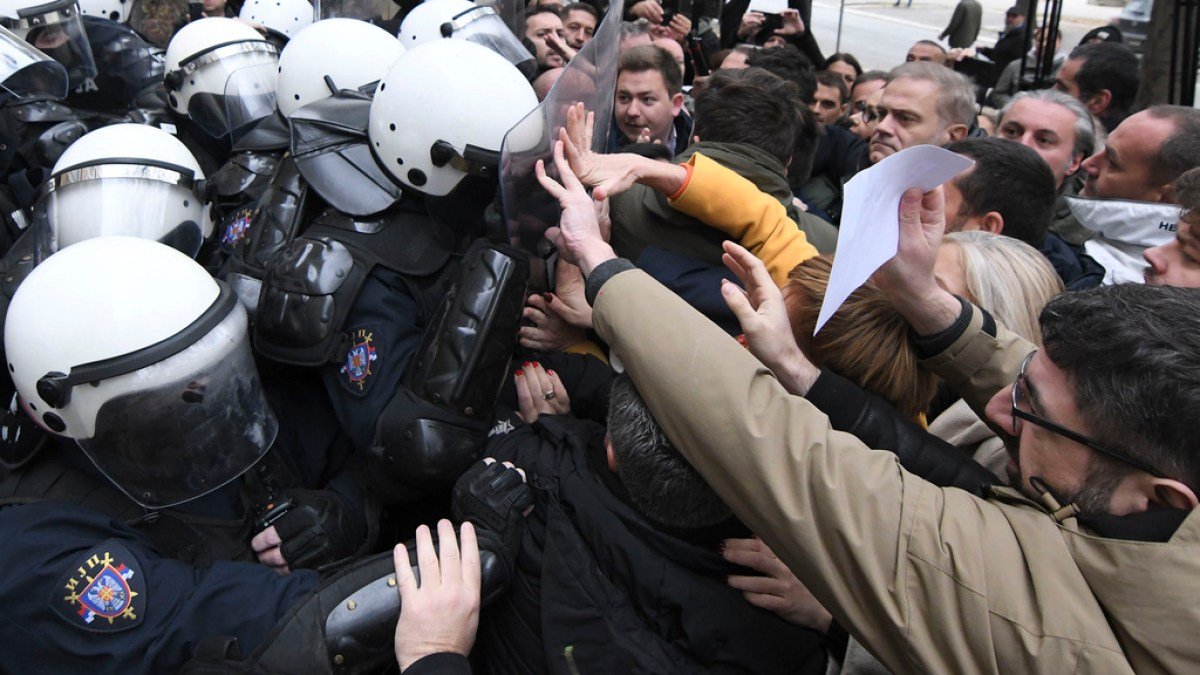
(549, 395)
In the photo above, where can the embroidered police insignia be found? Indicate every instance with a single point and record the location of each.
(103, 591)
(236, 226)
(359, 359)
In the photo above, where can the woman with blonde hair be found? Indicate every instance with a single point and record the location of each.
(1012, 281)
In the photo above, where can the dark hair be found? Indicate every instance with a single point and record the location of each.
(791, 64)
(662, 485)
(750, 106)
(1112, 66)
(929, 43)
(1187, 189)
(544, 9)
(581, 7)
(844, 57)
(807, 136)
(1132, 354)
(1181, 150)
(1010, 179)
(831, 79)
(650, 57)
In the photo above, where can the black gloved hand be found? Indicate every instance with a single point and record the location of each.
(494, 497)
(319, 529)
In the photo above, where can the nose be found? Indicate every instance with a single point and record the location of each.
(1157, 259)
(1092, 165)
(999, 410)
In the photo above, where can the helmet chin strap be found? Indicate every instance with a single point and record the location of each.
(1052, 501)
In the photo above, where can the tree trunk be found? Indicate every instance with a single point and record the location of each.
(1156, 58)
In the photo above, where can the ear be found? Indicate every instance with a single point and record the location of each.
(992, 222)
(1172, 494)
(1076, 162)
(956, 132)
(609, 454)
(676, 103)
(1098, 102)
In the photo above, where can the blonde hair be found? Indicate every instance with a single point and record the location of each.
(1008, 278)
(866, 341)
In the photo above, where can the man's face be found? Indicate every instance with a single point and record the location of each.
(1177, 262)
(580, 26)
(537, 27)
(924, 52)
(862, 93)
(1047, 128)
(909, 110)
(827, 104)
(1012, 21)
(1064, 81)
(642, 102)
(1063, 464)
(955, 222)
(1124, 169)
(866, 117)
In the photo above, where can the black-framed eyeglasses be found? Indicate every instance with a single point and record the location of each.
(1018, 396)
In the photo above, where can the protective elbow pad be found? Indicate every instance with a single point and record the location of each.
(435, 424)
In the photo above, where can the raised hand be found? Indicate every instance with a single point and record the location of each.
(761, 312)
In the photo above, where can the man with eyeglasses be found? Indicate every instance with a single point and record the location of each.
(1087, 564)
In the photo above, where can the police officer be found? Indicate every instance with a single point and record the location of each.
(411, 382)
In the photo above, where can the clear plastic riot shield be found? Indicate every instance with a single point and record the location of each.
(590, 78)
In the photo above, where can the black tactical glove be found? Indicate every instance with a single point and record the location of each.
(319, 529)
(494, 498)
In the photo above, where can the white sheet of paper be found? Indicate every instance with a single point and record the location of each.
(870, 230)
(768, 6)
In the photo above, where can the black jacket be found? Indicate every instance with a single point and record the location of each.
(599, 589)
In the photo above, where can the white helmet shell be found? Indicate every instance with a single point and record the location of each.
(282, 17)
(205, 57)
(126, 179)
(424, 23)
(443, 110)
(363, 54)
(132, 349)
(113, 10)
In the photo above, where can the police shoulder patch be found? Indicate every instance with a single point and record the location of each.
(361, 362)
(103, 591)
(235, 227)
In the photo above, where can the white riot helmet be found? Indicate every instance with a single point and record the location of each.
(130, 180)
(132, 349)
(56, 29)
(363, 55)
(465, 20)
(442, 111)
(221, 73)
(113, 10)
(283, 18)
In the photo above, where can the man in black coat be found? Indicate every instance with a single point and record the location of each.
(618, 569)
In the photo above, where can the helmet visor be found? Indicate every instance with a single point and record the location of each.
(25, 71)
(56, 29)
(187, 425)
(589, 78)
(131, 200)
(230, 87)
